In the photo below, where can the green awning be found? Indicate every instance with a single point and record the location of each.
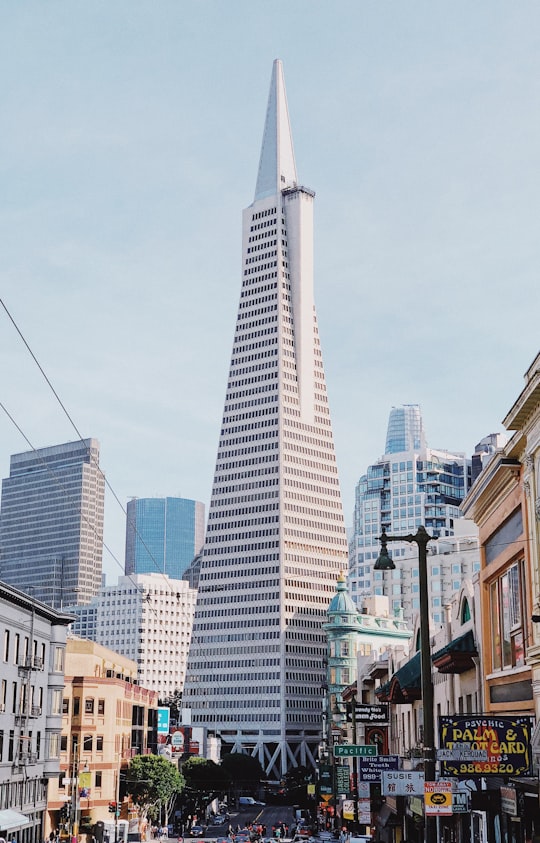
(405, 684)
(457, 656)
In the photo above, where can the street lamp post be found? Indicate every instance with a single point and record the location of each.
(385, 563)
(338, 714)
(355, 762)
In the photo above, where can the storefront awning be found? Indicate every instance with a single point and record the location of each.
(386, 817)
(405, 685)
(12, 820)
(457, 656)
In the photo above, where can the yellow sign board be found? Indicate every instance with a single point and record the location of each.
(438, 798)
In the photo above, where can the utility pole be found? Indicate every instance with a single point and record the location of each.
(355, 764)
(74, 813)
(117, 789)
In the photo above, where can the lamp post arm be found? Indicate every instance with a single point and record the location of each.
(421, 539)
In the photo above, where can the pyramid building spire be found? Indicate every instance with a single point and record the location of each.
(277, 168)
(275, 540)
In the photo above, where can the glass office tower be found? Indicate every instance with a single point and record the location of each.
(163, 535)
(410, 485)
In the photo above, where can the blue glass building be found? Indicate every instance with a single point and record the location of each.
(163, 535)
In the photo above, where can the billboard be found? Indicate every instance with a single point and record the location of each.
(181, 741)
(163, 718)
(371, 713)
(505, 740)
(326, 779)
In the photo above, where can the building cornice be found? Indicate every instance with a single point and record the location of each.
(527, 404)
(499, 477)
(27, 602)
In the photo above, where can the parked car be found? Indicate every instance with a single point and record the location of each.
(196, 831)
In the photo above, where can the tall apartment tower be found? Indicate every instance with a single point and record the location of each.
(51, 523)
(275, 540)
(163, 535)
(410, 485)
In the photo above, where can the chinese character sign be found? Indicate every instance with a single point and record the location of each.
(401, 783)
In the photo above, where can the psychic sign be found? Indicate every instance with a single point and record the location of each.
(505, 740)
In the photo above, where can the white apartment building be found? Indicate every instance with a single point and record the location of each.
(148, 618)
(450, 561)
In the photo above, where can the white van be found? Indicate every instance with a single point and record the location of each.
(250, 801)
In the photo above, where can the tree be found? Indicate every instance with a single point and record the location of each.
(296, 780)
(297, 776)
(205, 781)
(244, 771)
(153, 783)
(174, 703)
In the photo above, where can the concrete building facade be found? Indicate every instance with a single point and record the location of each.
(107, 718)
(32, 660)
(147, 618)
(456, 659)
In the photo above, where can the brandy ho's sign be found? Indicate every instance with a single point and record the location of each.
(506, 741)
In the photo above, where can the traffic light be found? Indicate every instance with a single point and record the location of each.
(112, 807)
(65, 811)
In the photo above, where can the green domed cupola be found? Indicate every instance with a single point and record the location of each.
(342, 635)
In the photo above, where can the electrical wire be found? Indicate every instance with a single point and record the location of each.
(77, 431)
(93, 461)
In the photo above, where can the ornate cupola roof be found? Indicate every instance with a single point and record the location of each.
(342, 603)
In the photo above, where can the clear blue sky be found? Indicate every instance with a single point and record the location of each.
(129, 146)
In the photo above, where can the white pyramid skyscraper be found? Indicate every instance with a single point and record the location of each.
(275, 541)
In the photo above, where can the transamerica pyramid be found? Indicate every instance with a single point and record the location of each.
(275, 541)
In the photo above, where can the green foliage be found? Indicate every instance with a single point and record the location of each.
(205, 780)
(243, 770)
(174, 703)
(297, 776)
(153, 781)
